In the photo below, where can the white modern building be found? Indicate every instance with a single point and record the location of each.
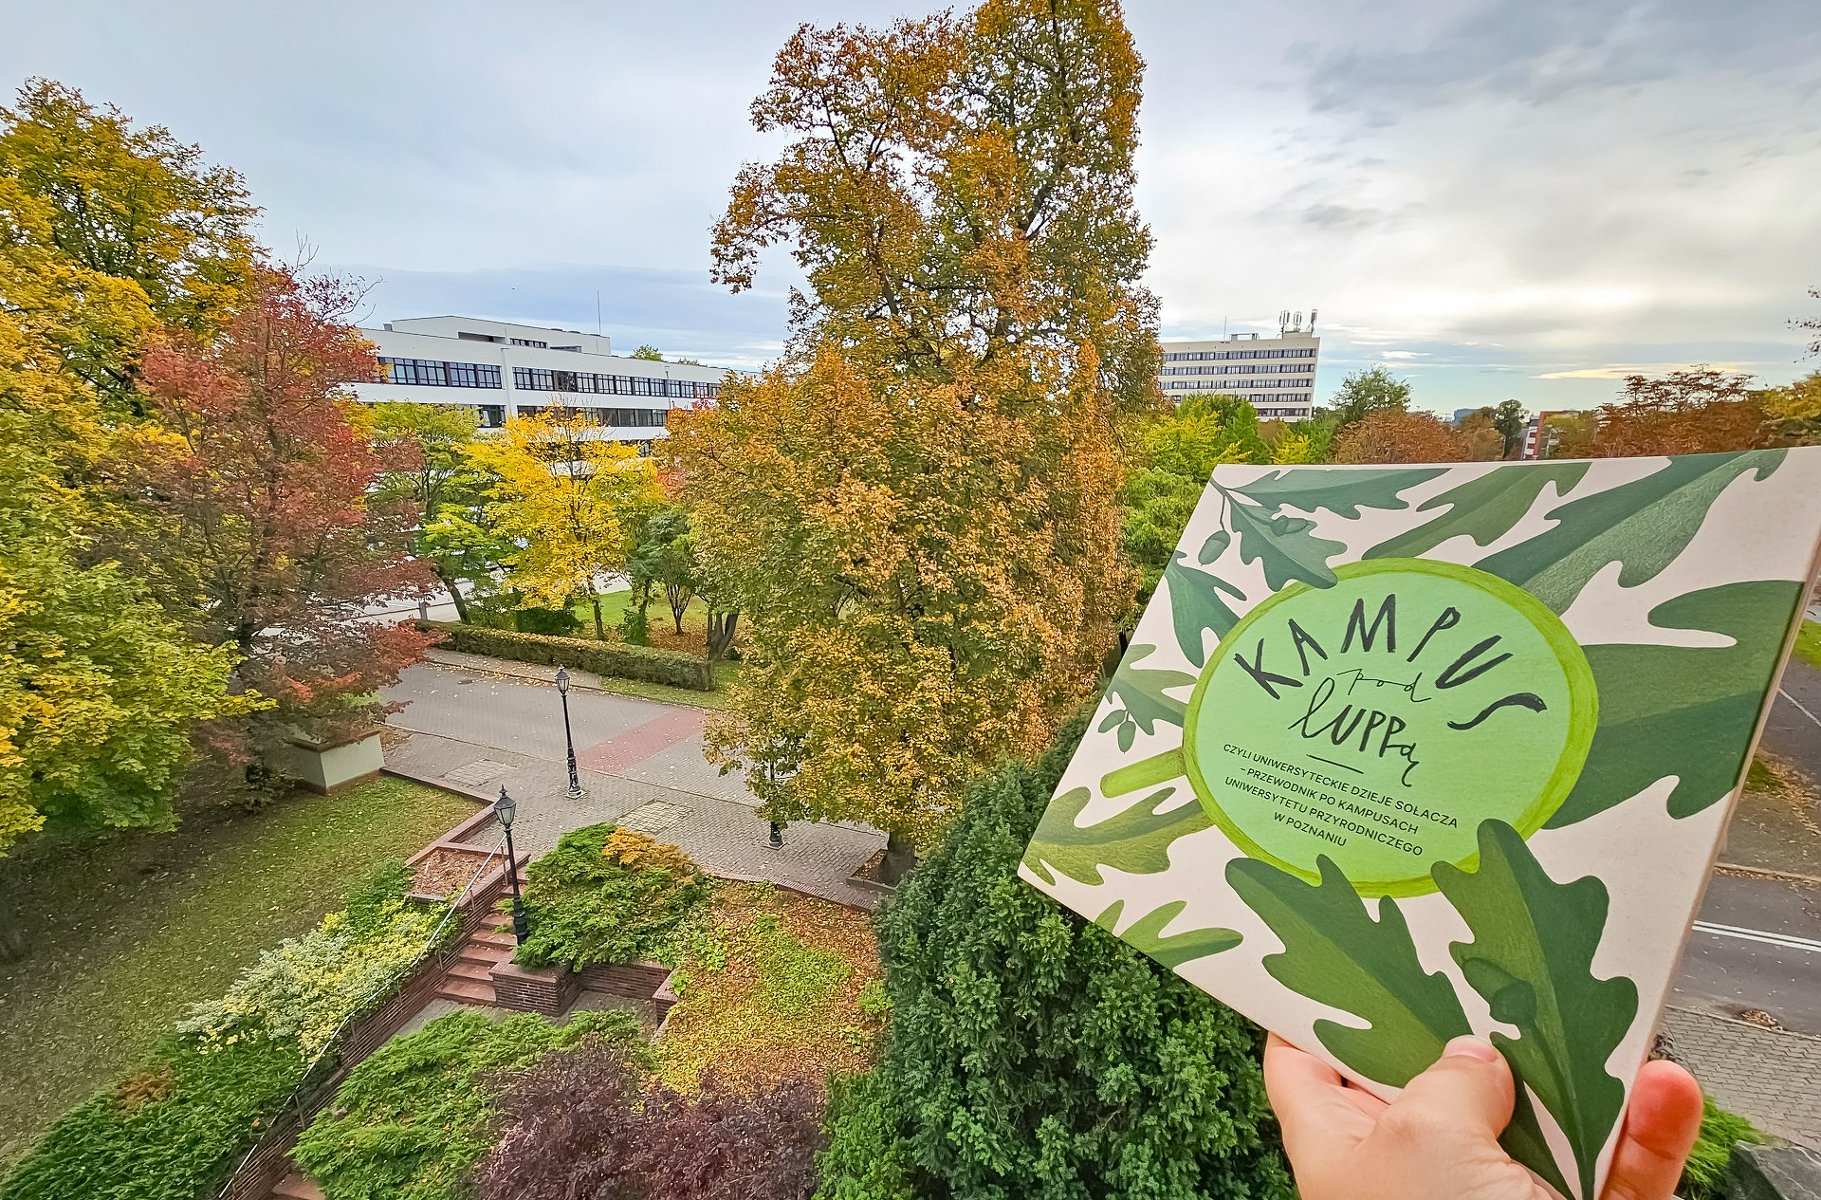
(1277, 374)
(504, 370)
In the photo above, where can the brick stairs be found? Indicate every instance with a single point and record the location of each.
(470, 977)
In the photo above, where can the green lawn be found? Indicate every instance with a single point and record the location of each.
(126, 935)
(1808, 643)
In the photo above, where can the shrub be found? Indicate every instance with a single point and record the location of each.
(302, 990)
(410, 1122)
(1075, 1065)
(553, 622)
(626, 662)
(586, 906)
(580, 1124)
(170, 1132)
(867, 1157)
(1705, 1172)
(635, 625)
(719, 1144)
(568, 1127)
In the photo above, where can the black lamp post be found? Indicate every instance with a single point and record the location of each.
(562, 689)
(506, 808)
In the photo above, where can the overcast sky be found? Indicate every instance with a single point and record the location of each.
(1494, 197)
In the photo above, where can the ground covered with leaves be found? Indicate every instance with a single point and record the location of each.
(774, 986)
(127, 935)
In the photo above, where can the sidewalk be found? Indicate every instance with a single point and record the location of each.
(1769, 1075)
(640, 764)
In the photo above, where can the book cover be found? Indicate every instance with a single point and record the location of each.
(1403, 753)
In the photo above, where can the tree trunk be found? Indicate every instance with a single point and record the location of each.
(721, 629)
(900, 856)
(455, 594)
(679, 598)
(600, 626)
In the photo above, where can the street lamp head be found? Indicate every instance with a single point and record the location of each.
(562, 680)
(505, 808)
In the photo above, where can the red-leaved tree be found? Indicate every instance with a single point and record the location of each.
(259, 531)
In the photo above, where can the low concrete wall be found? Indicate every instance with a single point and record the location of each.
(330, 766)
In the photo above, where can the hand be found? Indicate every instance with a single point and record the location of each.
(1439, 1139)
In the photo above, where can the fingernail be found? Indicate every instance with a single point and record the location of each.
(1470, 1047)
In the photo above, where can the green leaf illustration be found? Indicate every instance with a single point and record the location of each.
(1135, 840)
(1146, 934)
(1140, 691)
(1679, 710)
(1196, 607)
(1214, 547)
(1642, 525)
(1283, 545)
(1531, 959)
(1336, 954)
(1339, 491)
(1484, 509)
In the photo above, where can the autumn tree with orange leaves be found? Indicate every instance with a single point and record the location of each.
(1697, 411)
(259, 532)
(917, 508)
(1394, 435)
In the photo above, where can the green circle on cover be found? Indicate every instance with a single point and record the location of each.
(1380, 720)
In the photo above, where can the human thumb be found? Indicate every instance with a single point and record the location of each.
(1469, 1088)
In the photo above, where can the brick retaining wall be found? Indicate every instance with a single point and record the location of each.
(637, 980)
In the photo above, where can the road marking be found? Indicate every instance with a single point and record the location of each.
(1811, 716)
(1785, 940)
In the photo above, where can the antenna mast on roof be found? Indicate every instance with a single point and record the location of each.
(597, 312)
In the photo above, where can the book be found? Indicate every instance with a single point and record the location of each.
(1402, 753)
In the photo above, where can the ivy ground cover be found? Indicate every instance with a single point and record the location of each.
(126, 936)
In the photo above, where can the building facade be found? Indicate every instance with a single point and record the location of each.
(1277, 374)
(504, 370)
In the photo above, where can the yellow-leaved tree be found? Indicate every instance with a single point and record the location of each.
(916, 508)
(563, 496)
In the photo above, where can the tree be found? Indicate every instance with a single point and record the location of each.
(1696, 411)
(664, 555)
(1044, 1036)
(1397, 436)
(1794, 411)
(423, 449)
(260, 530)
(916, 508)
(1367, 391)
(98, 688)
(563, 495)
(130, 203)
(1480, 430)
(648, 353)
(1511, 418)
(1812, 325)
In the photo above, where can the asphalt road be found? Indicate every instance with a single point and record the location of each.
(1793, 730)
(1756, 945)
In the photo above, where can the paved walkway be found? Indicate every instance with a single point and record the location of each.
(640, 763)
(1769, 1075)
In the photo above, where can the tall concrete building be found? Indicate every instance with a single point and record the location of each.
(1277, 374)
(503, 369)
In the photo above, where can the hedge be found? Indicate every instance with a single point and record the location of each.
(603, 658)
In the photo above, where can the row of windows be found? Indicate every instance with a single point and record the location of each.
(1262, 397)
(1245, 369)
(1208, 385)
(428, 372)
(641, 418)
(1216, 355)
(536, 379)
